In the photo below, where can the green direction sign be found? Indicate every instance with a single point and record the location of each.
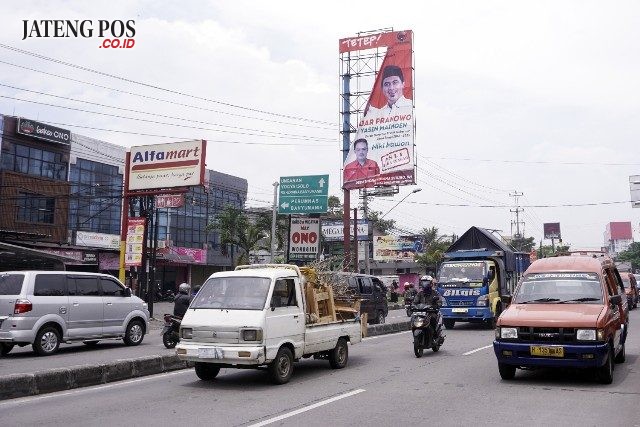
(303, 194)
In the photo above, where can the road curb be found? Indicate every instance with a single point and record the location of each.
(47, 381)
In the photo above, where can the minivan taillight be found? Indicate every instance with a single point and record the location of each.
(22, 306)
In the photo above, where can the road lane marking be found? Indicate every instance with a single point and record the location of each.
(307, 408)
(384, 335)
(477, 349)
(28, 399)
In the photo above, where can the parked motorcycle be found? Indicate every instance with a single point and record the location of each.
(171, 330)
(426, 327)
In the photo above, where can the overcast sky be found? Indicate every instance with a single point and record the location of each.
(508, 93)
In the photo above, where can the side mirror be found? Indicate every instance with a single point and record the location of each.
(127, 292)
(506, 299)
(615, 300)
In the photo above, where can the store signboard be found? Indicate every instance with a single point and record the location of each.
(304, 238)
(135, 237)
(97, 240)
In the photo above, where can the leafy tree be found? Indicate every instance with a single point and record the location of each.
(523, 244)
(548, 250)
(235, 228)
(335, 206)
(631, 255)
(264, 223)
(380, 224)
(434, 247)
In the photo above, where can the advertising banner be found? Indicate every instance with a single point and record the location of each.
(382, 152)
(43, 131)
(176, 164)
(97, 240)
(135, 237)
(551, 230)
(396, 248)
(304, 238)
(181, 255)
(169, 201)
(333, 231)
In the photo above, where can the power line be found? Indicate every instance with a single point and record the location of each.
(535, 161)
(565, 205)
(461, 178)
(277, 134)
(175, 92)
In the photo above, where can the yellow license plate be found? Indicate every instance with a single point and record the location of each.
(547, 351)
(460, 310)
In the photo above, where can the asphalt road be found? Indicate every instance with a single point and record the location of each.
(384, 384)
(24, 360)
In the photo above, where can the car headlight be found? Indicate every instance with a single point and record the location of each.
(252, 334)
(509, 333)
(482, 301)
(586, 334)
(186, 333)
(418, 322)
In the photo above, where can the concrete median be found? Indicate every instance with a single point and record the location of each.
(52, 380)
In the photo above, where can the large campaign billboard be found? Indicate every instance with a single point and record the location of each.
(396, 248)
(175, 164)
(382, 151)
(551, 230)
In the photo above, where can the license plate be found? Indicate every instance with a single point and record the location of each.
(459, 310)
(210, 353)
(547, 351)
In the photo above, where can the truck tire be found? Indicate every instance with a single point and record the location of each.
(380, 318)
(605, 372)
(507, 372)
(281, 368)
(449, 324)
(206, 371)
(339, 356)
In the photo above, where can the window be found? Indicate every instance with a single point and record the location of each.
(34, 161)
(284, 293)
(35, 208)
(87, 286)
(10, 284)
(365, 285)
(50, 285)
(111, 288)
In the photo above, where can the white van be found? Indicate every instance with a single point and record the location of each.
(256, 316)
(45, 308)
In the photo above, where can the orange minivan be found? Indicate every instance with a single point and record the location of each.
(631, 288)
(568, 311)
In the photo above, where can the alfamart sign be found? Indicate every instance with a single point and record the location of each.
(176, 164)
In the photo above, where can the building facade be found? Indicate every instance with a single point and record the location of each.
(617, 237)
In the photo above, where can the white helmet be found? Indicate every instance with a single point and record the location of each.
(427, 277)
(184, 288)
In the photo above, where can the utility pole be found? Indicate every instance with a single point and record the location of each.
(365, 215)
(516, 195)
(273, 221)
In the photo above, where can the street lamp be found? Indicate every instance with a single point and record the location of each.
(415, 190)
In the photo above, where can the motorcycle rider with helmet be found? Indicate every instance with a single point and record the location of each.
(182, 301)
(427, 294)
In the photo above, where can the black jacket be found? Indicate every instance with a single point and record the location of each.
(181, 304)
(425, 297)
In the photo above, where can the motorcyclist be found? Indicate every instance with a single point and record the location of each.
(427, 294)
(409, 291)
(182, 301)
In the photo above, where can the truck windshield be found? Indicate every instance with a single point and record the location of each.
(461, 273)
(233, 293)
(559, 288)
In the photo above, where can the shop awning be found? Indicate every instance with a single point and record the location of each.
(15, 257)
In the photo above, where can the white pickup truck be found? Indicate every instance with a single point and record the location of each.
(255, 316)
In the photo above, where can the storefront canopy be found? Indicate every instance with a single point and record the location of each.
(14, 257)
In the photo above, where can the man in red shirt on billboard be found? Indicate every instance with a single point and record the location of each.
(361, 167)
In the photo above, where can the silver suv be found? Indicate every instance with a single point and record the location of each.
(45, 308)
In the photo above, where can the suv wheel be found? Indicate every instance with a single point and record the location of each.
(381, 318)
(47, 341)
(5, 348)
(134, 333)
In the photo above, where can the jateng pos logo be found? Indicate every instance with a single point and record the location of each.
(116, 34)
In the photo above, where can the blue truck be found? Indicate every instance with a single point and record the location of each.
(477, 270)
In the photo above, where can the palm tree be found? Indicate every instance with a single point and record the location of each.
(236, 229)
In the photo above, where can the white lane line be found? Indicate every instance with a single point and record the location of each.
(477, 349)
(22, 400)
(375, 337)
(307, 408)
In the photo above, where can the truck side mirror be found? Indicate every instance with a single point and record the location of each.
(506, 299)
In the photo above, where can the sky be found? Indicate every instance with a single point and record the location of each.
(540, 98)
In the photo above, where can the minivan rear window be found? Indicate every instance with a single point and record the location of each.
(11, 284)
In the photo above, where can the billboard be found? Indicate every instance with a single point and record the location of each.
(552, 230)
(304, 238)
(97, 240)
(396, 248)
(175, 164)
(43, 131)
(135, 237)
(333, 231)
(382, 152)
